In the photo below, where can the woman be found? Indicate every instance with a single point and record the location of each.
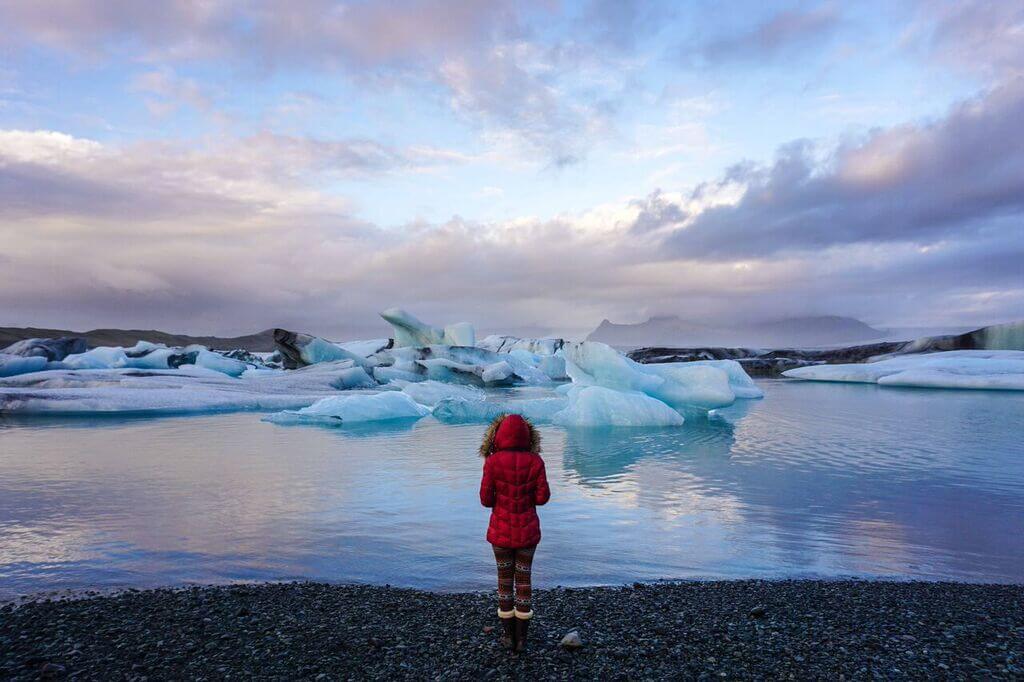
(513, 484)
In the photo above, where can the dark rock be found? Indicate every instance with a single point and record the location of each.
(53, 350)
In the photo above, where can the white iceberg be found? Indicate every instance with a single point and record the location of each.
(593, 406)
(365, 348)
(507, 344)
(459, 409)
(409, 331)
(188, 389)
(963, 369)
(348, 409)
(739, 381)
(679, 385)
(430, 393)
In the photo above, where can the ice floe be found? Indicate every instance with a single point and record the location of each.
(965, 369)
(591, 406)
(350, 409)
(409, 331)
(459, 409)
(437, 370)
(188, 389)
(679, 385)
(11, 365)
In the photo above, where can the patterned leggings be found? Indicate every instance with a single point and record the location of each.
(514, 569)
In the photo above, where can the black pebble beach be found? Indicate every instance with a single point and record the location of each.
(693, 630)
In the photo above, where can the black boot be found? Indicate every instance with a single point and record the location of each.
(508, 638)
(522, 627)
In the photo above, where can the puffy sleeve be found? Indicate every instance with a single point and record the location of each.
(543, 493)
(487, 484)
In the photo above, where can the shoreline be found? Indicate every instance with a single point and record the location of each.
(741, 629)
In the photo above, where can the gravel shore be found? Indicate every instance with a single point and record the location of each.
(694, 630)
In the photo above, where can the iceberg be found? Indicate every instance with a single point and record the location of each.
(463, 410)
(962, 369)
(365, 349)
(188, 389)
(11, 365)
(409, 331)
(459, 334)
(507, 344)
(346, 409)
(458, 364)
(299, 350)
(53, 350)
(430, 393)
(682, 386)
(739, 381)
(145, 355)
(593, 406)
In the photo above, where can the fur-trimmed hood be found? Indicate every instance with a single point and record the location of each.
(510, 432)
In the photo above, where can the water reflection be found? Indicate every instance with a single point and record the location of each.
(814, 480)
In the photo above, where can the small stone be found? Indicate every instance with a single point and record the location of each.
(488, 629)
(571, 641)
(758, 611)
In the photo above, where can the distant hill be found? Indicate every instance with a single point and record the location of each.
(259, 342)
(822, 330)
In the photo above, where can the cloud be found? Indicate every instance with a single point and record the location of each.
(318, 32)
(167, 91)
(779, 35)
(516, 90)
(977, 36)
(915, 183)
(245, 235)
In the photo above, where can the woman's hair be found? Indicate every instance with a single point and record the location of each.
(487, 446)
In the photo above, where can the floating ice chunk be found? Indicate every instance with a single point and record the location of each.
(365, 348)
(409, 331)
(689, 385)
(430, 393)
(459, 334)
(394, 373)
(553, 367)
(497, 373)
(591, 363)
(506, 344)
(347, 409)
(459, 410)
(51, 349)
(966, 369)
(189, 389)
(299, 350)
(103, 357)
(591, 406)
(739, 381)
(550, 367)
(218, 362)
(11, 365)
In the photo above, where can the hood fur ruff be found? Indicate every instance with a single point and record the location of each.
(487, 446)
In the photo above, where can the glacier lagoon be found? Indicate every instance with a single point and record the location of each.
(818, 479)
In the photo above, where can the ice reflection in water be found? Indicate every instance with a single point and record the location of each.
(817, 479)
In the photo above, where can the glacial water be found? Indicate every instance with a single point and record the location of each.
(814, 480)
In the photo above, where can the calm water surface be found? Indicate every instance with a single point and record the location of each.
(814, 480)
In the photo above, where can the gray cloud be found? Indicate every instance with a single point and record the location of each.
(913, 183)
(977, 35)
(781, 34)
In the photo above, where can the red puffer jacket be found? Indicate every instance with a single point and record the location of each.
(514, 482)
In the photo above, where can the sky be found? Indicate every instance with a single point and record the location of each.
(220, 166)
